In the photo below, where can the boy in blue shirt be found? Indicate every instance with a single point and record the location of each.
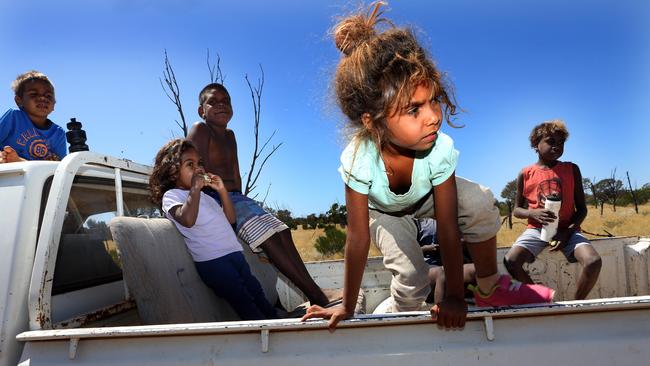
(26, 133)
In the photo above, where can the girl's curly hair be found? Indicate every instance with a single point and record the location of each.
(380, 70)
(166, 168)
(548, 128)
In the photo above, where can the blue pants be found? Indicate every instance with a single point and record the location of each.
(231, 279)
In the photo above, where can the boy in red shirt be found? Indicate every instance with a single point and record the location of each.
(550, 177)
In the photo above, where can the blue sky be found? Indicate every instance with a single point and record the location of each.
(513, 64)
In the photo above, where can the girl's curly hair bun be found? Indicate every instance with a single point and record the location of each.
(356, 30)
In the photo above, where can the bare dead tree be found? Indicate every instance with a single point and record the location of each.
(615, 189)
(632, 192)
(609, 190)
(216, 76)
(173, 92)
(266, 195)
(258, 151)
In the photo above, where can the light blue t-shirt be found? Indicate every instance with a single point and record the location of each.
(30, 142)
(362, 169)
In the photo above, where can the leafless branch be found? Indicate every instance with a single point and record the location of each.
(172, 90)
(216, 76)
(614, 190)
(266, 195)
(258, 152)
(632, 192)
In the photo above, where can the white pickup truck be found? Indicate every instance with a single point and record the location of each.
(75, 289)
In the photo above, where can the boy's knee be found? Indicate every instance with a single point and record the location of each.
(507, 262)
(513, 262)
(593, 264)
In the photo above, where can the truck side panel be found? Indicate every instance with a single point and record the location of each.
(554, 338)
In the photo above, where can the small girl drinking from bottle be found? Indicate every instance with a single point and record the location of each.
(176, 183)
(400, 166)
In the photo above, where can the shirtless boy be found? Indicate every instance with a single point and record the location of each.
(262, 231)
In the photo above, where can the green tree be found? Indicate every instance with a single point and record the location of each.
(310, 222)
(589, 187)
(332, 242)
(337, 214)
(285, 216)
(509, 193)
(609, 190)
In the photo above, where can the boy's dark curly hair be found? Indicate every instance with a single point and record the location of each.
(166, 168)
(209, 87)
(379, 72)
(18, 85)
(548, 128)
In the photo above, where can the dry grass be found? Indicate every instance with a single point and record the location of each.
(305, 240)
(623, 222)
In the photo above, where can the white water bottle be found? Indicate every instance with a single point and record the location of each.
(549, 230)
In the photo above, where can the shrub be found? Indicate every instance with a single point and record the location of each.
(332, 242)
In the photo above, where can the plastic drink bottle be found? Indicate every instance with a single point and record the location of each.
(549, 230)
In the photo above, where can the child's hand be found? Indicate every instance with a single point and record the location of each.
(215, 182)
(198, 180)
(335, 314)
(450, 313)
(9, 155)
(542, 216)
(561, 238)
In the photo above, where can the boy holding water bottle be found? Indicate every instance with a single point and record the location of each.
(551, 197)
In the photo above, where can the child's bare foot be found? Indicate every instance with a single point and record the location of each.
(9, 155)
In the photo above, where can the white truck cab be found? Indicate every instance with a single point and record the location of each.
(59, 266)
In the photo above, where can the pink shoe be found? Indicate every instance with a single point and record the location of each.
(511, 292)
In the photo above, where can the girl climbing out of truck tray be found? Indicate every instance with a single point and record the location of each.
(398, 166)
(176, 183)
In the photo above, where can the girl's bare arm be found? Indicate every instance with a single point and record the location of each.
(357, 244)
(451, 312)
(446, 208)
(187, 213)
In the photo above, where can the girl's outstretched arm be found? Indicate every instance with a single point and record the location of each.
(357, 245)
(452, 311)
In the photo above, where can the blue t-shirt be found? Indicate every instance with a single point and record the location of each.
(362, 169)
(30, 142)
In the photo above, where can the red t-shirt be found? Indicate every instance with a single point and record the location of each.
(541, 182)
